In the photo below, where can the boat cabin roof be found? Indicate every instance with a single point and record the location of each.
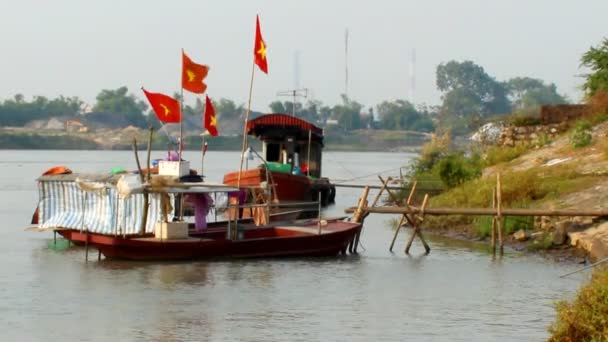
(277, 126)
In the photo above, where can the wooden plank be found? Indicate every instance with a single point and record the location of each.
(484, 211)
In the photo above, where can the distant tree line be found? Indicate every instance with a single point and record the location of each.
(469, 96)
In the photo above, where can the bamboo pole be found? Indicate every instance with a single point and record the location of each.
(244, 145)
(493, 243)
(404, 216)
(483, 211)
(358, 216)
(397, 232)
(499, 217)
(384, 185)
(141, 173)
(144, 218)
(417, 231)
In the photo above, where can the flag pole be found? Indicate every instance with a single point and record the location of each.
(244, 147)
(203, 156)
(181, 115)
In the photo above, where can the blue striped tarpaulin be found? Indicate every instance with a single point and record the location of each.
(99, 210)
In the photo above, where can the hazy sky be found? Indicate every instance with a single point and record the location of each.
(77, 47)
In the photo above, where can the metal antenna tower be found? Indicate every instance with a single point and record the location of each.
(295, 93)
(346, 62)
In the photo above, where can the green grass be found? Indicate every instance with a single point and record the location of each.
(586, 317)
(501, 154)
(483, 225)
(521, 189)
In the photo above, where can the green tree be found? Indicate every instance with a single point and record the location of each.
(596, 59)
(18, 112)
(118, 101)
(402, 115)
(348, 114)
(227, 109)
(468, 89)
(528, 93)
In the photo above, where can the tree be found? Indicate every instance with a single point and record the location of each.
(227, 109)
(528, 93)
(596, 59)
(469, 90)
(348, 114)
(119, 102)
(18, 112)
(402, 115)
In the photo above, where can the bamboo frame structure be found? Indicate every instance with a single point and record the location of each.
(415, 215)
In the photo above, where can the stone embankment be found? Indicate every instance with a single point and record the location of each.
(513, 135)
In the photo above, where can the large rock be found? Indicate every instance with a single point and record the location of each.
(560, 234)
(488, 134)
(593, 240)
(521, 235)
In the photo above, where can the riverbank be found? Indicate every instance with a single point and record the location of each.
(553, 174)
(121, 139)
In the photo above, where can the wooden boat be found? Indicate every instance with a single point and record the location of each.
(291, 158)
(273, 241)
(106, 212)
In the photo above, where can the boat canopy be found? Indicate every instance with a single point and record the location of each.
(282, 124)
(111, 204)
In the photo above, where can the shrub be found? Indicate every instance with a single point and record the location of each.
(500, 154)
(524, 119)
(581, 136)
(586, 317)
(483, 225)
(456, 169)
(432, 152)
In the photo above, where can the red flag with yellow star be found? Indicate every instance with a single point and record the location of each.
(193, 75)
(210, 122)
(166, 108)
(259, 48)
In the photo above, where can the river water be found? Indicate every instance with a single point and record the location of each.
(457, 293)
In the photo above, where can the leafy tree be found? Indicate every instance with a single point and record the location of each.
(469, 90)
(119, 102)
(348, 114)
(596, 59)
(18, 112)
(402, 115)
(529, 93)
(309, 112)
(227, 109)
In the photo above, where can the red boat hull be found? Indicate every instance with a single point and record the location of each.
(288, 187)
(279, 241)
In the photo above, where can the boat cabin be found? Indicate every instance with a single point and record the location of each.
(289, 142)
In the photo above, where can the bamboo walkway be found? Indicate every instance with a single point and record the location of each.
(414, 215)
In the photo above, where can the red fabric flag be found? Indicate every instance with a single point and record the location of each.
(259, 48)
(193, 75)
(166, 108)
(210, 122)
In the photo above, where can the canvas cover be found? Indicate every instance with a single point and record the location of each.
(95, 207)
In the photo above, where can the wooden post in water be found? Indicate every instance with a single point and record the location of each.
(493, 243)
(416, 226)
(499, 218)
(404, 216)
(358, 217)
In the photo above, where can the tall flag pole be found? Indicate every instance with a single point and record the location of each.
(193, 75)
(209, 126)
(259, 59)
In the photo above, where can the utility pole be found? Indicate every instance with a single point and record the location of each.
(295, 93)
